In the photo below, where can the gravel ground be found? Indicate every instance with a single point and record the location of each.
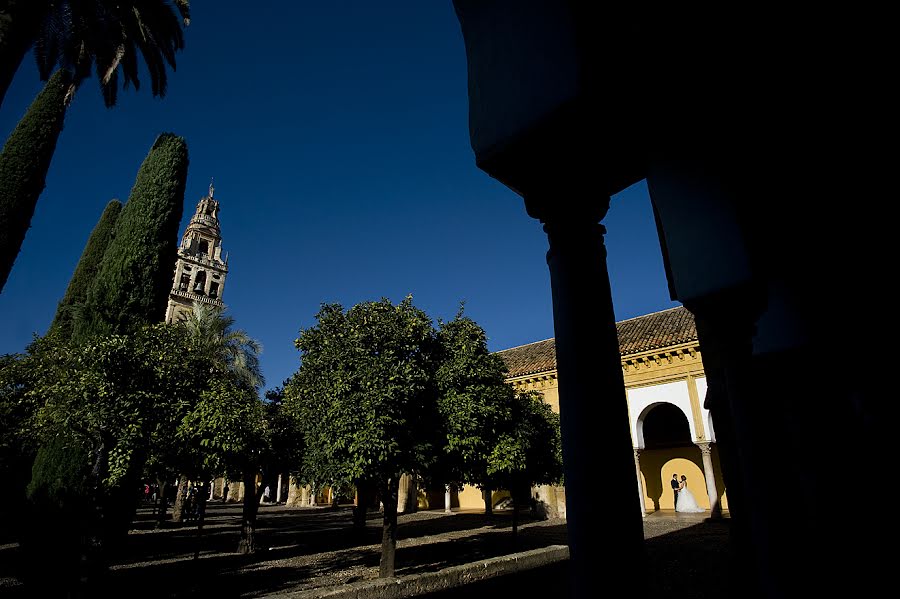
(302, 548)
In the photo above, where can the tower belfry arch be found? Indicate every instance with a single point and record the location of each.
(200, 269)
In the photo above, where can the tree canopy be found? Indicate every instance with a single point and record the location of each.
(86, 269)
(24, 162)
(364, 397)
(131, 288)
(364, 392)
(475, 402)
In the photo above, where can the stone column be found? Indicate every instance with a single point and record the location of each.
(714, 508)
(447, 509)
(294, 494)
(305, 496)
(640, 484)
(592, 404)
(402, 493)
(278, 491)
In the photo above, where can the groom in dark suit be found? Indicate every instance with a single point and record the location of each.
(675, 486)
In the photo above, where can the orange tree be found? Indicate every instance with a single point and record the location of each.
(365, 400)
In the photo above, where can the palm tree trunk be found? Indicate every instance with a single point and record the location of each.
(19, 23)
(24, 162)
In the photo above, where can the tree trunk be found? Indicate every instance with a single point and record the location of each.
(389, 529)
(162, 504)
(515, 516)
(180, 496)
(252, 496)
(365, 495)
(488, 495)
(19, 24)
(201, 514)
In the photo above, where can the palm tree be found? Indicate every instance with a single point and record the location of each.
(229, 350)
(226, 349)
(75, 35)
(81, 34)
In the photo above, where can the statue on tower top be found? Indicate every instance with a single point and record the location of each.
(212, 188)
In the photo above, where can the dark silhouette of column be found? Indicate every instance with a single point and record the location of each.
(596, 440)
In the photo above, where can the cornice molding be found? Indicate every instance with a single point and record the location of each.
(639, 363)
(661, 357)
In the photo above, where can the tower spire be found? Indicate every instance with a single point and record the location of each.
(199, 269)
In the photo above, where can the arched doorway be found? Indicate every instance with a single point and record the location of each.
(666, 449)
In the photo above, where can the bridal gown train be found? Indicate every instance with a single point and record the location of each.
(686, 502)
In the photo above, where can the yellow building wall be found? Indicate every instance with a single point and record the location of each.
(657, 466)
(470, 498)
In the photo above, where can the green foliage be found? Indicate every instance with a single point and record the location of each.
(227, 425)
(474, 400)
(131, 288)
(61, 474)
(530, 451)
(214, 338)
(86, 269)
(208, 436)
(286, 445)
(24, 163)
(364, 394)
(16, 409)
(113, 394)
(18, 443)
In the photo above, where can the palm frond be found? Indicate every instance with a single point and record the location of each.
(108, 35)
(227, 349)
(184, 9)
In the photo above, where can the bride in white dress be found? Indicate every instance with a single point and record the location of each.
(685, 501)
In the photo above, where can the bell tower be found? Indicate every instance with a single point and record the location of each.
(200, 269)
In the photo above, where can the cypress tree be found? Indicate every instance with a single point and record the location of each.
(131, 288)
(86, 269)
(24, 163)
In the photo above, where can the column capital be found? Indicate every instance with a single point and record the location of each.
(637, 452)
(705, 447)
(553, 209)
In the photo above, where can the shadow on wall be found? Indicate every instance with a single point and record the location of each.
(658, 466)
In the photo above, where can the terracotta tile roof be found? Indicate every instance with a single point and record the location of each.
(652, 331)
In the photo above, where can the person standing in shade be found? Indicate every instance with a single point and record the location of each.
(676, 486)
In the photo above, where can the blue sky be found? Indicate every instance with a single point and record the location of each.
(337, 135)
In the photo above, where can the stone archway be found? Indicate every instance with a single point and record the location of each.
(664, 433)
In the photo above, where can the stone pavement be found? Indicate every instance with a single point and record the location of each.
(306, 548)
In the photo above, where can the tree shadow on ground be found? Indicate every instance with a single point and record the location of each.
(304, 530)
(305, 548)
(691, 563)
(314, 547)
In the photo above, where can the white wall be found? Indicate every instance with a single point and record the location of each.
(640, 401)
(707, 417)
